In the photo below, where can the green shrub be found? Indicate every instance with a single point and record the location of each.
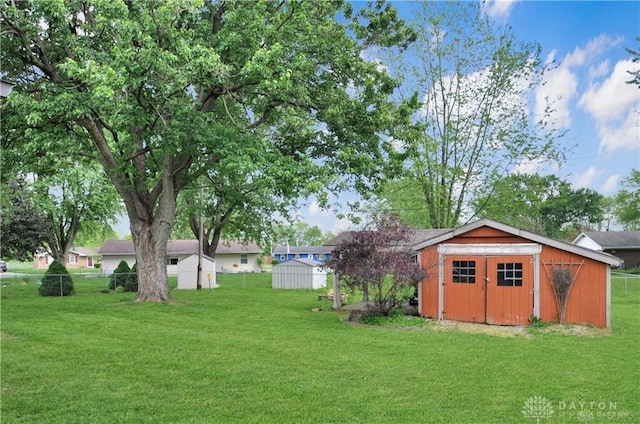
(119, 289)
(56, 281)
(275, 262)
(97, 265)
(119, 276)
(131, 282)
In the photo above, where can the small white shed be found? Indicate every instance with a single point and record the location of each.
(188, 272)
(299, 274)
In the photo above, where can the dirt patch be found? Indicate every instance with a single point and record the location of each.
(520, 331)
(473, 328)
(575, 330)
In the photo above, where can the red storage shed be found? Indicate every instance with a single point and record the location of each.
(489, 272)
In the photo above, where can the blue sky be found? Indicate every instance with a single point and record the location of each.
(598, 110)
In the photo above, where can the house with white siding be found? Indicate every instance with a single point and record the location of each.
(231, 256)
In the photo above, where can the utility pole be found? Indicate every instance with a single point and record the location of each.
(200, 244)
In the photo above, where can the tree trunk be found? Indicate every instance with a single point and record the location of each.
(150, 230)
(151, 252)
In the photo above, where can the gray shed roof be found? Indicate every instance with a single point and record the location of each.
(178, 247)
(615, 239)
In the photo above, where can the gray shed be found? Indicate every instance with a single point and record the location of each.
(299, 274)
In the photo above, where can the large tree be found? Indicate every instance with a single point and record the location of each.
(299, 234)
(241, 196)
(473, 80)
(542, 204)
(77, 196)
(166, 90)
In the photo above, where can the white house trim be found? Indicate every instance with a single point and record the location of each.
(490, 249)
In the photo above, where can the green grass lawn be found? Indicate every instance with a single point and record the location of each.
(247, 353)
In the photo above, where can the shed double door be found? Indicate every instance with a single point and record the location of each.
(488, 289)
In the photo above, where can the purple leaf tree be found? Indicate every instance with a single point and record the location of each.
(378, 260)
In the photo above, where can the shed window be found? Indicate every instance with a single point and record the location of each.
(244, 260)
(172, 260)
(510, 274)
(464, 272)
(283, 257)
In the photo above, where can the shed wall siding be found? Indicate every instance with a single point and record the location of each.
(587, 303)
(290, 275)
(587, 299)
(188, 273)
(429, 285)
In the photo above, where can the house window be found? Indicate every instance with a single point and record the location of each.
(244, 259)
(510, 274)
(172, 260)
(464, 272)
(72, 259)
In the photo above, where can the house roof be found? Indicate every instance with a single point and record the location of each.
(178, 247)
(613, 239)
(486, 222)
(83, 251)
(279, 250)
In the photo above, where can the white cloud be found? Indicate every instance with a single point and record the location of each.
(608, 100)
(584, 179)
(540, 166)
(623, 136)
(498, 9)
(530, 166)
(594, 48)
(615, 107)
(611, 184)
(315, 209)
(341, 225)
(561, 83)
(559, 89)
(599, 70)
